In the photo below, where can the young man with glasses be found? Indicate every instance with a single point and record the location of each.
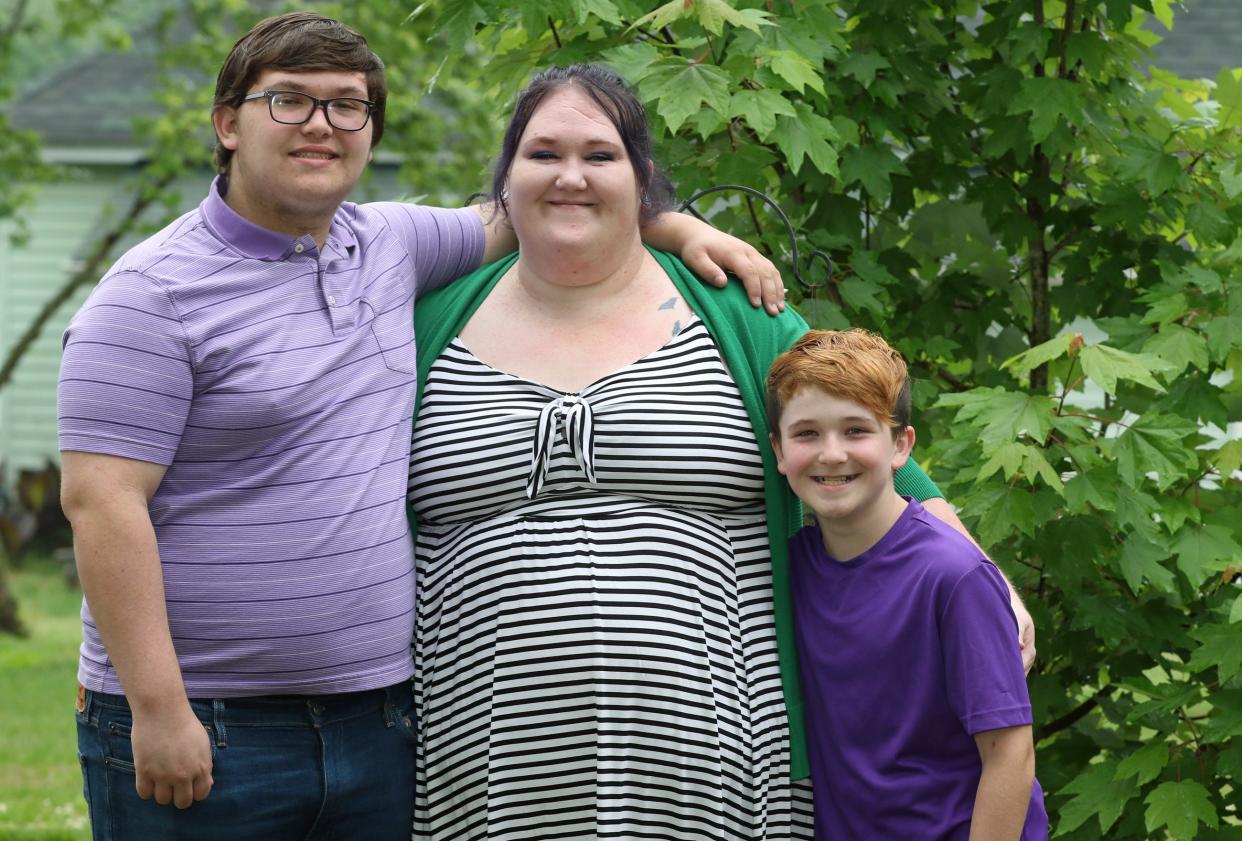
(235, 418)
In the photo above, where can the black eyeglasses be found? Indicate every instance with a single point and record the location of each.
(292, 108)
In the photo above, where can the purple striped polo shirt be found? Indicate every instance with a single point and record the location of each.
(276, 382)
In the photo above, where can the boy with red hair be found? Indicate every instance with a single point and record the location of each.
(917, 715)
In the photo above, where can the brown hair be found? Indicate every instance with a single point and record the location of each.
(623, 108)
(298, 42)
(852, 365)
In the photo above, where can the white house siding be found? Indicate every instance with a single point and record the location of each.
(60, 223)
(65, 221)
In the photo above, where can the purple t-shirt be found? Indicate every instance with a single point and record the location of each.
(276, 382)
(906, 651)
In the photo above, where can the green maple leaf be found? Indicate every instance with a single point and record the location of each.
(1089, 48)
(863, 66)
(604, 10)
(861, 295)
(1048, 101)
(1156, 443)
(1007, 457)
(872, 166)
(1145, 764)
(807, 135)
(1235, 612)
(1089, 488)
(1222, 333)
(1106, 365)
(1011, 511)
(714, 14)
(1181, 806)
(1141, 561)
(1176, 510)
(664, 15)
(1096, 794)
(1210, 224)
(1002, 415)
(867, 265)
(823, 314)
(1194, 275)
(1135, 509)
(1226, 719)
(797, 70)
(1028, 360)
(760, 109)
(1231, 179)
(1035, 464)
(1144, 160)
(458, 24)
(681, 87)
(1166, 308)
(1228, 91)
(1202, 550)
(633, 61)
(1219, 648)
(1179, 347)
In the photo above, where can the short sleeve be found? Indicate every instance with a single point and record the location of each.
(983, 668)
(911, 481)
(443, 243)
(126, 377)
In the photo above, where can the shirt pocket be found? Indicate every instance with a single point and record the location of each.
(393, 328)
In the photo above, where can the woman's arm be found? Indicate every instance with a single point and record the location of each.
(1004, 793)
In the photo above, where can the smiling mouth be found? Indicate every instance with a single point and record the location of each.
(315, 156)
(835, 480)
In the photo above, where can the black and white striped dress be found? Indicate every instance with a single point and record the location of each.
(595, 641)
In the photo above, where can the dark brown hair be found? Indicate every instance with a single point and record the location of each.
(298, 42)
(626, 112)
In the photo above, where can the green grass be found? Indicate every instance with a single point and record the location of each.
(40, 784)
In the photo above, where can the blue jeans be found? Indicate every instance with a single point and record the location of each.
(301, 768)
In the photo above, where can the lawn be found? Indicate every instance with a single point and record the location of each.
(40, 785)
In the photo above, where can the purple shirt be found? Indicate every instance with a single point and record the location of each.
(276, 381)
(906, 651)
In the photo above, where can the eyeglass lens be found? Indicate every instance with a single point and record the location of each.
(296, 108)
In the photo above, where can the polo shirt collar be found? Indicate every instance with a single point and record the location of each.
(257, 242)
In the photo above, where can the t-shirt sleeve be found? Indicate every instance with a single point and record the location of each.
(443, 243)
(983, 668)
(126, 376)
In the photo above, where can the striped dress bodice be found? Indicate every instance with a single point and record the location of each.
(595, 642)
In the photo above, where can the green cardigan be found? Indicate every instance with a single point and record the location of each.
(749, 340)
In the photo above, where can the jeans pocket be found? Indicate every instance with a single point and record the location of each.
(405, 720)
(118, 743)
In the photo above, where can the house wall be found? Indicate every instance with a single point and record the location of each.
(61, 224)
(64, 222)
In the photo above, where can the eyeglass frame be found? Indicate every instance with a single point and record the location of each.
(316, 104)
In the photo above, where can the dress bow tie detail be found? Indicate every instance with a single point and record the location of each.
(574, 415)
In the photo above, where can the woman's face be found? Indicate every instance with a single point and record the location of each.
(571, 184)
